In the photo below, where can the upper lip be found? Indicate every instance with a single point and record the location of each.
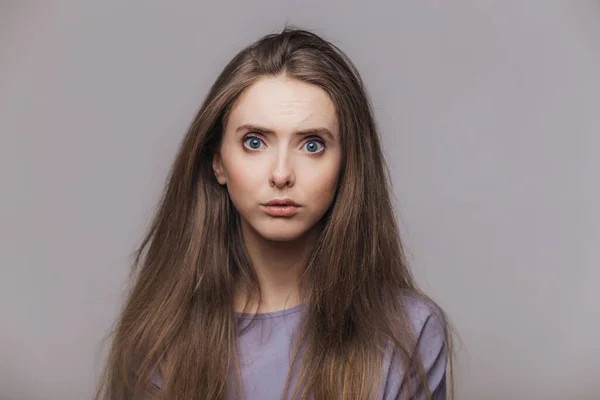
(282, 202)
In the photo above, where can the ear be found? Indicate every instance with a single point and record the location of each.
(219, 171)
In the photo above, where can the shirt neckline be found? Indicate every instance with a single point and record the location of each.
(271, 314)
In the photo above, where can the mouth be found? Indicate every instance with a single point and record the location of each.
(281, 208)
(282, 203)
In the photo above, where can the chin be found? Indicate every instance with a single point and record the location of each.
(281, 235)
(278, 229)
(281, 230)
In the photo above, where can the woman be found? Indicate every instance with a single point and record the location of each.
(273, 267)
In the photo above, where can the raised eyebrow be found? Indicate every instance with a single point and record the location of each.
(254, 128)
(305, 132)
(317, 131)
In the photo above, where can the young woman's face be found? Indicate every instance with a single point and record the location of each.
(281, 142)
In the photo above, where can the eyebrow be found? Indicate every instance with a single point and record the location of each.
(304, 132)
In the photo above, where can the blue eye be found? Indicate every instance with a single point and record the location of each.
(253, 143)
(312, 146)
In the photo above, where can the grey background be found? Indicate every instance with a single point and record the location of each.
(490, 116)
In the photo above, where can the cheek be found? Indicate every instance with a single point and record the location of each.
(244, 185)
(322, 188)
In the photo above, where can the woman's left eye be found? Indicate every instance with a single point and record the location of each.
(313, 146)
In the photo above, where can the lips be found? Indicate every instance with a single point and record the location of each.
(282, 203)
(281, 208)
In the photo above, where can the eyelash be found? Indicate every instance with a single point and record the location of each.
(310, 139)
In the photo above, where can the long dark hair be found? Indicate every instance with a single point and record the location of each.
(179, 321)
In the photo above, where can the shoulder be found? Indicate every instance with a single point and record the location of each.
(429, 331)
(426, 317)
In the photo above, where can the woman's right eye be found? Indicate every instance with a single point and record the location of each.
(253, 143)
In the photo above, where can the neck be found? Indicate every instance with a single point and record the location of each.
(278, 266)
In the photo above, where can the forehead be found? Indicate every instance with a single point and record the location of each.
(284, 104)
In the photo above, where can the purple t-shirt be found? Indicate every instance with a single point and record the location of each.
(266, 350)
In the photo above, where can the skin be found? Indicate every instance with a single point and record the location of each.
(258, 167)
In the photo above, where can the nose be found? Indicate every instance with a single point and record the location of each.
(282, 174)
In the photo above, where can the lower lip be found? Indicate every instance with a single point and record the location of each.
(281, 211)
